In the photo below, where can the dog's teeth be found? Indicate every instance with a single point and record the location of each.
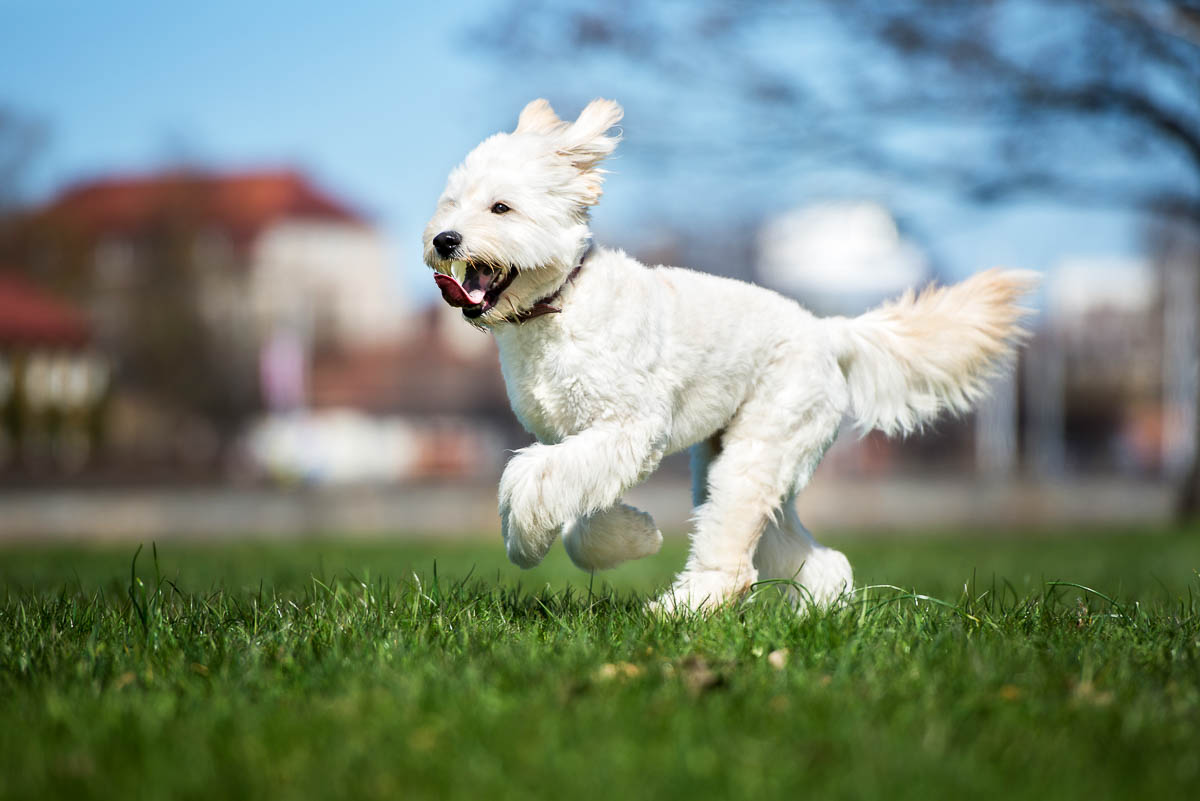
(458, 269)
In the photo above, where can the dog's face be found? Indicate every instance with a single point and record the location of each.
(512, 221)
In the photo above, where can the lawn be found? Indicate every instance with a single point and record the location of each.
(1064, 666)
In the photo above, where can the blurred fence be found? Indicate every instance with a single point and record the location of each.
(930, 504)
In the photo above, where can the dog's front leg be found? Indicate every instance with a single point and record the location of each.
(547, 486)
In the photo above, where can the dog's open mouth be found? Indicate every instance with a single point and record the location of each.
(474, 287)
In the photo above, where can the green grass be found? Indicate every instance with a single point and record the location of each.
(354, 670)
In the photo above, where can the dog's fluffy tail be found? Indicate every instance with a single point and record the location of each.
(913, 358)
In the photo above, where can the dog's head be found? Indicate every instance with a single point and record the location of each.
(512, 221)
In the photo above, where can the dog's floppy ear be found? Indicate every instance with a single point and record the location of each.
(538, 117)
(585, 142)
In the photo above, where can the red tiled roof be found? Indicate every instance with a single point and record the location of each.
(242, 203)
(30, 316)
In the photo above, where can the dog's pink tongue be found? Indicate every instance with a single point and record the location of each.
(454, 294)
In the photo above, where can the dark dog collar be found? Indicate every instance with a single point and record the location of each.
(545, 305)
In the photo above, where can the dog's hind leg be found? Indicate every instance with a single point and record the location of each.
(765, 455)
(610, 537)
(815, 575)
(702, 455)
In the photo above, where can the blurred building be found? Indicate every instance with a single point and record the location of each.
(1176, 250)
(209, 293)
(51, 382)
(430, 405)
(1094, 372)
(271, 248)
(1111, 377)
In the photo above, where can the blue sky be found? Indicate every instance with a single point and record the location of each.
(377, 101)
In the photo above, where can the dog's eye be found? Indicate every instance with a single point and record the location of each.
(499, 208)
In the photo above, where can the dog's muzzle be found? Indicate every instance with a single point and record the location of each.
(473, 288)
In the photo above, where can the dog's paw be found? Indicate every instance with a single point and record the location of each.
(703, 591)
(528, 530)
(524, 549)
(607, 539)
(826, 580)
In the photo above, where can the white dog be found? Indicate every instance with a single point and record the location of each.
(612, 365)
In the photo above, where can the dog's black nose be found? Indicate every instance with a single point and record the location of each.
(446, 242)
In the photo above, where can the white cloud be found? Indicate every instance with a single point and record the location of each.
(1078, 285)
(832, 249)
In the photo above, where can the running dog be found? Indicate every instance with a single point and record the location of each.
(612, 365)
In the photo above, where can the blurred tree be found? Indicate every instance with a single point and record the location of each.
(1085, 101)
(21, 137)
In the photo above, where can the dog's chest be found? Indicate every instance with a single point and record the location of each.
(552, 389)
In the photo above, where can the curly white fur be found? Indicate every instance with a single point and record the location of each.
(646, 361)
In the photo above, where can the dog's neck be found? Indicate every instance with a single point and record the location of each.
(546, 305)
